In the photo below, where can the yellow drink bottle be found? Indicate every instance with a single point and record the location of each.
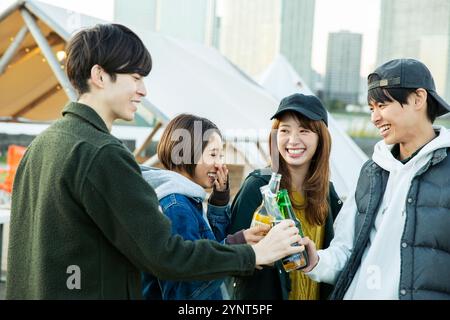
(265, 214)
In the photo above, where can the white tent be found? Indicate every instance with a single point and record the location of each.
(186, 77)
(281, 80)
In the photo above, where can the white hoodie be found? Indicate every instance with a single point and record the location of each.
(378, 275)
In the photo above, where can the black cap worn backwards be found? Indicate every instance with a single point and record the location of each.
(308, 106)
(408, 73)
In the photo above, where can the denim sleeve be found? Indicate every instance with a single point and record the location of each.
(185, 224)
(219, 220)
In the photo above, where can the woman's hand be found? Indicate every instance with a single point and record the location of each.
(255, 234)
(221, 183)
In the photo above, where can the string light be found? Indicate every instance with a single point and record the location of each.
(61, 55)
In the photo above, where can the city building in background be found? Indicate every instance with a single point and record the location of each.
(297, 26)
(249, 32)
(189, 20)
(342, 78)
(417, 29)
(139, 14)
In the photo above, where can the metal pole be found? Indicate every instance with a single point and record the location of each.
(147, 141)
(12, 49)
(48, 53)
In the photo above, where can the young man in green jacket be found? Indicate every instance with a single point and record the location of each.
(84, 222)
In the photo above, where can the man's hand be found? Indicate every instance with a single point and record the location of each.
(312, 253)
(277, 243)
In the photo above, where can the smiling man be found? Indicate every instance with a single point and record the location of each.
(84, 223)
(391, 237)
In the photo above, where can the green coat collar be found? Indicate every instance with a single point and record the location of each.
(87, 113)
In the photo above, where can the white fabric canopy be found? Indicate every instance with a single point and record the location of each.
(193, 78)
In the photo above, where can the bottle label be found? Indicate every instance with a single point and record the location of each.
(259, 219)
(295, 261)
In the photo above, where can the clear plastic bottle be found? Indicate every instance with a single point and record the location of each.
(268, 211)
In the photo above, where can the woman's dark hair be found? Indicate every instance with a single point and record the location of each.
(380, 95)
(183, 142)
(113, 47)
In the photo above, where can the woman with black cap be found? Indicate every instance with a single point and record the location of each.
(300, 145)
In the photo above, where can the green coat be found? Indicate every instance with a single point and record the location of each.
(79, 200)
(270, 283)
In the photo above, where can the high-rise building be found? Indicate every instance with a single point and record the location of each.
(190, 20)
(136, 14)
(417, 29)
(249, 32)
(342, 79)
(297, 24)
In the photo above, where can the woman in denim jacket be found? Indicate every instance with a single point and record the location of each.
(193, 161)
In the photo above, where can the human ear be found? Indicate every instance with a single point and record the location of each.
(97, 78)
(420, 98)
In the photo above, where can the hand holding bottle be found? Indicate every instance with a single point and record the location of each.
(255, 234)
(312, 254)
(277, 243)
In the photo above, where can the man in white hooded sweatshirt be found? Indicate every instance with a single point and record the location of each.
(392, 236)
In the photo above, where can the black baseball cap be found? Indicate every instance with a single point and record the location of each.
(309, 106)
(408, 73)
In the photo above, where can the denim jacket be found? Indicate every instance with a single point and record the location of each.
(181, 200)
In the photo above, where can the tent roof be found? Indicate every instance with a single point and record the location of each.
(28, 85)
(281, 80)
(186, 77)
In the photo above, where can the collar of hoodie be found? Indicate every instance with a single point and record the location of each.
(383, 157)
(167, 182)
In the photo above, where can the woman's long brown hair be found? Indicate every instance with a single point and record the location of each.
(316, 184)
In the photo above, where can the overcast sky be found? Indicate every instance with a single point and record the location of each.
(360, 16)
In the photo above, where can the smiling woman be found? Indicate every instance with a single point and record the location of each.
(300, 145)
(191, 149)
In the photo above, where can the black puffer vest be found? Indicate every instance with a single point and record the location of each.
(425, 243)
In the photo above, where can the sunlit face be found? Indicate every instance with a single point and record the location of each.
(212, 158)
(296, 144)
(124, 94)
(396, 124)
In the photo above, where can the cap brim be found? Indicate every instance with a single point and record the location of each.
(307, 113)
(443, 107)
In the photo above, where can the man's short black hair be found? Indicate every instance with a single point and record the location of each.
(114, 47)
(382, 95)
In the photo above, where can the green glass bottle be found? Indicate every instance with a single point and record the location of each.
(295, 261)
